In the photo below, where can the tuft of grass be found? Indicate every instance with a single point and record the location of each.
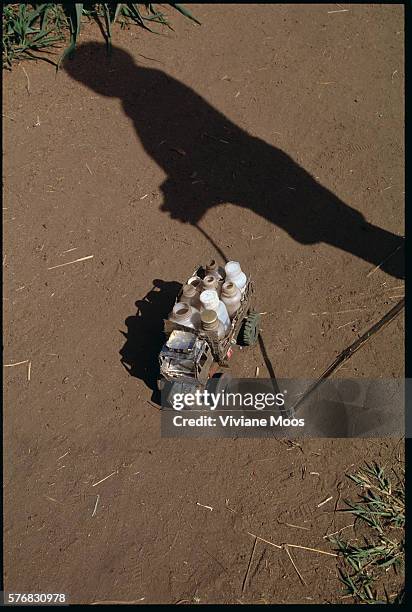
(33, 31)
(381, 511)
(29, 30)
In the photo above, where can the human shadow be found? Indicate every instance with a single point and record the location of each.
(144, 336)
(208, 160)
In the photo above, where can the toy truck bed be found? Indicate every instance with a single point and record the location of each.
(221, 347)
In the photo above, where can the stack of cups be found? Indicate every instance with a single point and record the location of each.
(210, 322)
(231, 296)
(210, 301)
(186, 315)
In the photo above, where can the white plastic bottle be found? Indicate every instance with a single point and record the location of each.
(196, 281)
(213, 269)
(231, 296)
(211, 282)
(186, 315)
(190, 296)
(210, 301)
(234, 273)
(211, 322)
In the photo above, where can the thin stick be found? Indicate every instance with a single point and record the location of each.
(218, 249)
(29, 371)
(345, 324)
(325, 501)
(28, 80)
(350, 350)
(325, 312)
(263, 540)
(382, 262)
(11, 365)
(151, 58)
(116, 601)
(52, 499)
(103, 479)
(394, 288)
(203, 506)
(322, 552)
(69, 250)
(249, 564)
(71, 262)
(297, 526)
(95, 506)
(294, 565)
(328, 535)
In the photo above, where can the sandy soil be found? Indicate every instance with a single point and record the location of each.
(272, 135)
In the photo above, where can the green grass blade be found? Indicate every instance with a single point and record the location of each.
(117, 11)
(184, 11)
(108, 22)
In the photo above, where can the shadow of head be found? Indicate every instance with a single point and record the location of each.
(164, 113)
(108, 74)
(145, 336)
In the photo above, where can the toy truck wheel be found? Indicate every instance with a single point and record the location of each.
(250, 329)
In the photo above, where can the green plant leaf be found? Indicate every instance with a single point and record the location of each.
(182, 9)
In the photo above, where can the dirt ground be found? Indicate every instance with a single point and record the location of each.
(273, 135)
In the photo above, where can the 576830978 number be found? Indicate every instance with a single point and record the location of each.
(34, 598)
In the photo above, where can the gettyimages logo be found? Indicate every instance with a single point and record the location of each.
(213, 400)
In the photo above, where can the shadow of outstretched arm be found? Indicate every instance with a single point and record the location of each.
(209, 160)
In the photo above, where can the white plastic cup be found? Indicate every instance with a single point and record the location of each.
(186, 315)
(210, 301)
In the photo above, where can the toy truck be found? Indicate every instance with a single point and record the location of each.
(190, 357)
